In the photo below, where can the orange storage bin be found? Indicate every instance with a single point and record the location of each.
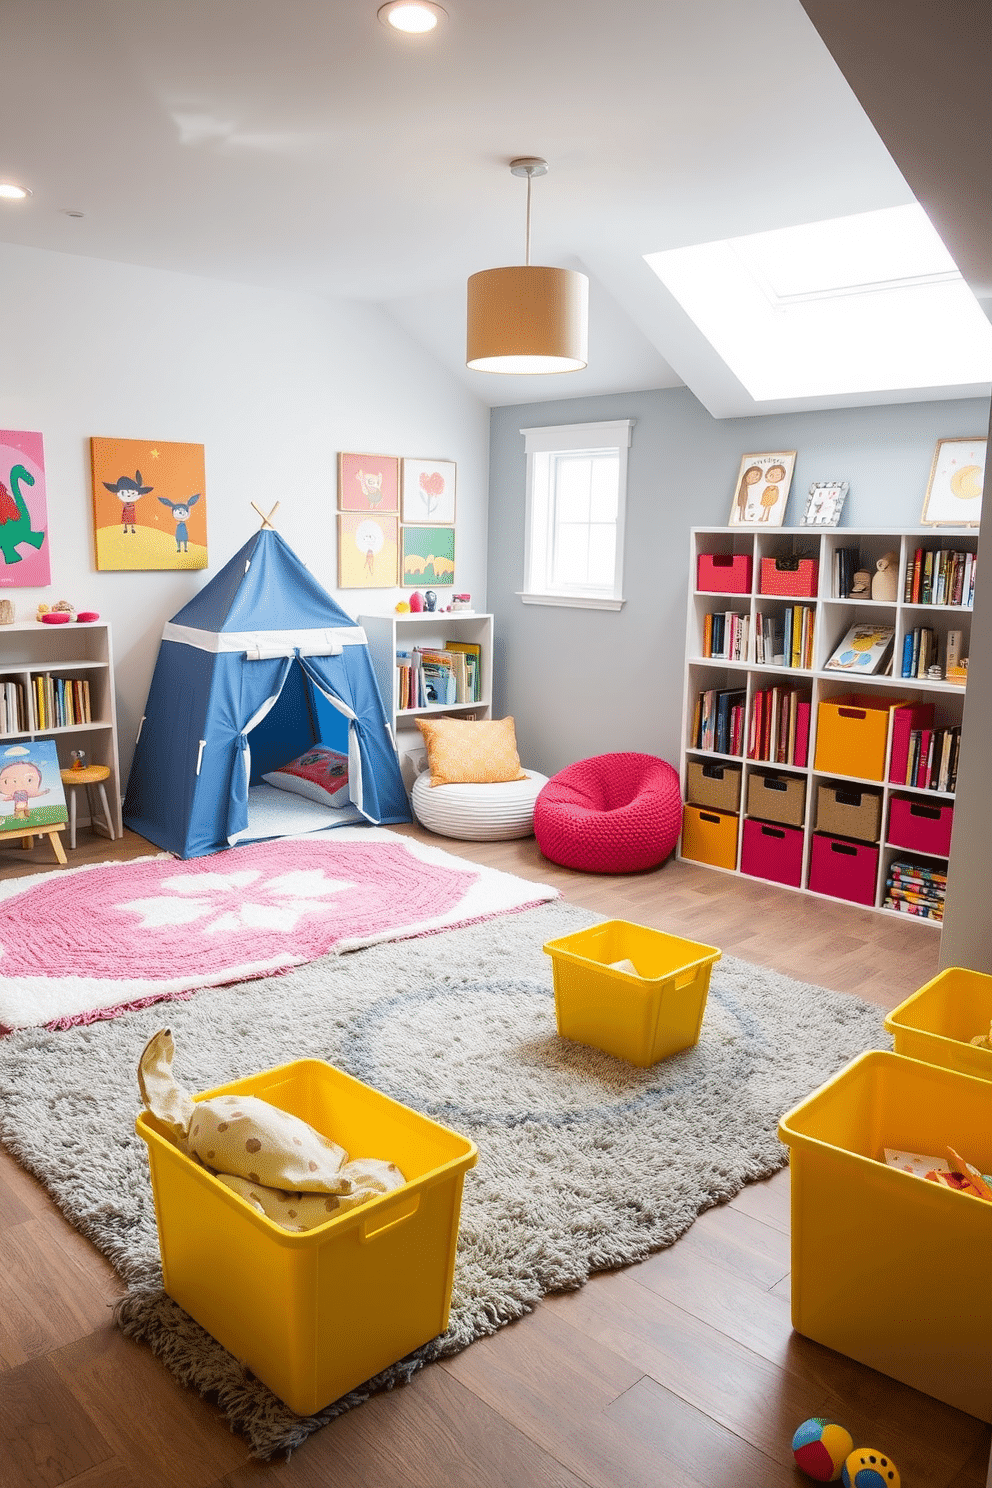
(852, 733)
(710, 836)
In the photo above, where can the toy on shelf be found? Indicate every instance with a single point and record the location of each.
(402, 608)
(821, 1448)
(866, 1467)
(416, 602)
(861, 585)
(78, 759)
(6, 612)
(885, 582)
(60, 613)
(87, 616)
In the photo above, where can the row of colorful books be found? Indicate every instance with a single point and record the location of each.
(778, 732)
(428, 677)
(914, 889)
(13, 708)
(941, 577)
(727, 634)
(718, 723)
(61, 702)
(932, 759)
(919, 651)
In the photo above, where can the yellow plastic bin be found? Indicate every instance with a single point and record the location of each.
(939, 1021)
(887, 1268)
(640, 1018)
(315, 1315)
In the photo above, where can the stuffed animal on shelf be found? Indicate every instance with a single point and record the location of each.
(886, 578)
(861, 585)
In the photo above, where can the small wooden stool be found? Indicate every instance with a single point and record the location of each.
(92, 776)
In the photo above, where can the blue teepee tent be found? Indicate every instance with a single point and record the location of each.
(264, 651)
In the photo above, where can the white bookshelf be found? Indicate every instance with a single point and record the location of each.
(388, 634)
(29, 649)
(833, 617)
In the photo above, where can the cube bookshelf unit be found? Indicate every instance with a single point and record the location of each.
(775, 824)
(389, 634)
(72, 652)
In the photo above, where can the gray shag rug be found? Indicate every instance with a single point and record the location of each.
(585, 1162)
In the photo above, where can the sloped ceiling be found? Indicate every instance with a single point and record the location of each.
(306, 146)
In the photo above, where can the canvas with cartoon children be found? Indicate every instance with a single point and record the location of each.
(762, 490)
(149, 504)
(31, 793)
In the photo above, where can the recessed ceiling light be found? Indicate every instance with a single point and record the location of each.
(412, 16)
(11, 192)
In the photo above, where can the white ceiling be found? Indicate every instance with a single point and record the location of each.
(302, 145)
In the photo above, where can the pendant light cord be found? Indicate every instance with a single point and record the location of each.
(527, 253)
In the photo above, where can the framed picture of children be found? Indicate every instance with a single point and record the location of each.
(31, 793)
(762, 489)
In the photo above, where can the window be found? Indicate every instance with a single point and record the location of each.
(576, 491)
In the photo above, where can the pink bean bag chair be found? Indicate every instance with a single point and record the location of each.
(616, 813)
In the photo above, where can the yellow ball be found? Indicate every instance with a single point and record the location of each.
(867, 1467)
(402, 608)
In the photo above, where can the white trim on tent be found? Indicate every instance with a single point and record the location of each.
(261, 645)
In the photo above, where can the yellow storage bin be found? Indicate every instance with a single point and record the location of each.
(317, 1314)
(640, 1018)
(709, 836)
(887, 1268)
(852, 734)
(938, 1022)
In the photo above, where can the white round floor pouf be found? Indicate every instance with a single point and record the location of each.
(478, 813)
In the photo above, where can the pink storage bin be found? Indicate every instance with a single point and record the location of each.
(843, 869)
(772, 851)
(724, 573)
(792, 578)
(922, 825)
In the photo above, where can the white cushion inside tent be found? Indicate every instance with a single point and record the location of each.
(277, 813)
(478, 813)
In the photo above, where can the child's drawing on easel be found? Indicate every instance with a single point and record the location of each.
(31, 793)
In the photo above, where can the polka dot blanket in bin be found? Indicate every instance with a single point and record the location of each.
(274, 1161)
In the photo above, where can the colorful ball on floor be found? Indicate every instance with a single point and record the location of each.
(867, 1467)
(820, 1448)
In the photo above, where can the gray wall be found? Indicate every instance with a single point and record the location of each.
(585, 682)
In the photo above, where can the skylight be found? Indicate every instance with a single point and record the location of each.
(872, 303)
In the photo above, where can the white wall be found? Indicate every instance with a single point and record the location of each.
(272, 384)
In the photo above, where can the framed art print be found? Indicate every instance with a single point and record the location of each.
(367, 548)
(149, 504)
(429, 491)
(762, 489)
(954, 492)
(428, 557)
(24, 542)
(825, 503)
(368, 483)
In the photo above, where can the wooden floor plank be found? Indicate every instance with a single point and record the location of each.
(48, 1436)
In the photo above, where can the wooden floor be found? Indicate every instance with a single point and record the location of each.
(680, 1371)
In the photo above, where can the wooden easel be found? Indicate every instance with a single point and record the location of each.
(27, 839)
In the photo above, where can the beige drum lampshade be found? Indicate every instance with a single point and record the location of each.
(527, 318)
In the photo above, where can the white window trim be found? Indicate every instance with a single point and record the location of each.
(613, 434)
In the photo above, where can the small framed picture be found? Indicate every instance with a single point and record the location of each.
(429, 491)
(367, 550)
(428, 557)
(368, 483)
(825, 503)
(762, 489)
(954, 493)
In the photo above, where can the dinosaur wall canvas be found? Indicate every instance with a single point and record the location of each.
(149, 504)
(24, 541)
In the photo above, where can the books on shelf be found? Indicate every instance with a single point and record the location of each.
(932, 759)
(785, 639)
(727, 635)
(865, 650)
(912, 888)
(60, 702)
(445, 676)
(778, 731)
(847, 562)
(14, 717)
(919, 651)
(718, 721)
(941, 576)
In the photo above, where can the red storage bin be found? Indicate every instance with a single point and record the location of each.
(724, 573)
(843, 869)
(773, 852)
(794, 578)
(920, 825)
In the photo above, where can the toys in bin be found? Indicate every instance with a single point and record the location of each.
(954, 1171)
(825, 1451)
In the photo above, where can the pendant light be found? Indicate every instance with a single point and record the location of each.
(527, 318)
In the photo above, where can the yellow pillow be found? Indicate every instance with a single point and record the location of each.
(464, 752)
